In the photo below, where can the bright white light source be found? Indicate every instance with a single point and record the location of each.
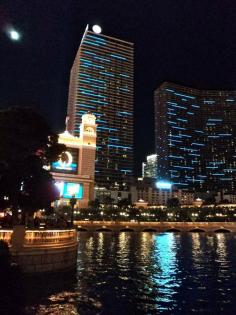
(14, 35)
(163, 185)
(97, 29)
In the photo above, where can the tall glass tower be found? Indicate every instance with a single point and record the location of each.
(101, 82)
(195, 133)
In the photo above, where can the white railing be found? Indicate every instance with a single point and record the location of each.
(49, 237)
(37, 238)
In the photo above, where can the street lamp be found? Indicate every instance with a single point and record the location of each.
(73, 201)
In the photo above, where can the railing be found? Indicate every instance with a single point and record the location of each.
(49, 237)
(6, 235)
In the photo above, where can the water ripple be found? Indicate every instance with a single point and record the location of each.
(145, 273)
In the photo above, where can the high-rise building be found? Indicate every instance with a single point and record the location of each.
(195, 134)
(101, 82)
(149, 168)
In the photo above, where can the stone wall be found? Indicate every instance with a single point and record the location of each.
(46, 260)
(38, 251)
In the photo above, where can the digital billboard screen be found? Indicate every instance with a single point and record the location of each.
(69, 190)
(67, 163)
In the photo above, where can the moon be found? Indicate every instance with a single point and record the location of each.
(13, 34)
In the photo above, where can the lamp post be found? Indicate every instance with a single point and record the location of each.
(73, 201)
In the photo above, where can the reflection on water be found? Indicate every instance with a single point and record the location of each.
(143, 273)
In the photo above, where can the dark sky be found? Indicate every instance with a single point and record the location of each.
(187, 42)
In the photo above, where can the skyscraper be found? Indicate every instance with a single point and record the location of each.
(149, 168)
(101, 81)
(195, 134)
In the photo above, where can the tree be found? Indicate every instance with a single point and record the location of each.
(173, 202)
(123, 203)
(94, 204)
(27, 145)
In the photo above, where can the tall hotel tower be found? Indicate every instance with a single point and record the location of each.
(101, 81)
(195, 132)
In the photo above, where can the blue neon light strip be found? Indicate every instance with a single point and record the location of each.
(169, 90)
(102, 59)
(108, 74)
(119, 146)
(208, 102)
(89, 53)
(125, 113)
(184, 167)
(194, 154)
(91, 43)
(174, 136)
(118, 57)
(214, 119)
(124, 75)
(92, 94)
(107, 128)
(176, 157)
(96, 38)
(186, 136)
(101, 121)
(177, 106)
(90, 79)
(88, 106)
(100, 102)
(181, 119)
(179, 128)
(187, 96)
(173, 140)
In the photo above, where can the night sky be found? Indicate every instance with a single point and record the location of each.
(186, 42)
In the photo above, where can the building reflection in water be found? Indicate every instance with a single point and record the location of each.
(146, 273)
(165, 257)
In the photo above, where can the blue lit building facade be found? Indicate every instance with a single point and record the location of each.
(101, 82)
(195, 135)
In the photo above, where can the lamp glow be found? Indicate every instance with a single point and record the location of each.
(163, 185)
(97, 29)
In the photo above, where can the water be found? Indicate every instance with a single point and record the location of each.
(143, 273)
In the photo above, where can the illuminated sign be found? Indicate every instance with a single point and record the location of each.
(68, 162)
(163, 185)
(69, 190)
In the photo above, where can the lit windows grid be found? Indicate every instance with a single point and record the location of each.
(98, 91)
(207, 123)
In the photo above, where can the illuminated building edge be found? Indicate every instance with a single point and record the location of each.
(74, 176)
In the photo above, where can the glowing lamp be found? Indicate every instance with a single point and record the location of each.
(163, 185)
(97, 29)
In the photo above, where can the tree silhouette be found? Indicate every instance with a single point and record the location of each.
(27, 145)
